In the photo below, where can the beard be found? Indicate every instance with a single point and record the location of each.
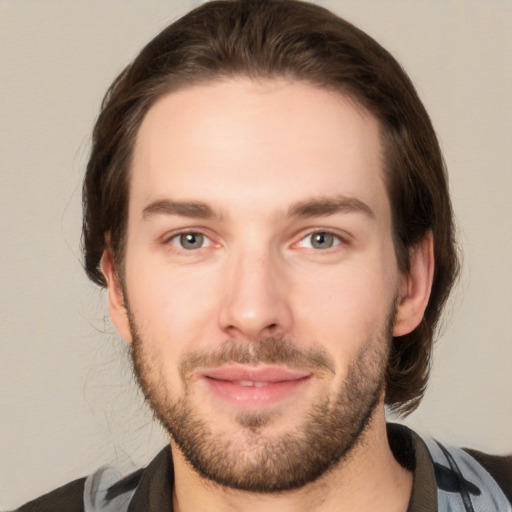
(253, 457)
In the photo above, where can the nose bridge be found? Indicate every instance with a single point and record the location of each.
(255, 302)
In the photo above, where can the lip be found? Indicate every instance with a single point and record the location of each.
(254, 387)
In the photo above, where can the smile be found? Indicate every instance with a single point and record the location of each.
(253, 387)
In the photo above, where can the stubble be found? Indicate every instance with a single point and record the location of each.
(255, 459)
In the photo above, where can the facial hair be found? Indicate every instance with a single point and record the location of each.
(254, 459)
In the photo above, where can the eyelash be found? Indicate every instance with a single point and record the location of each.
(178, 236)
(178, 245)
(336, 239)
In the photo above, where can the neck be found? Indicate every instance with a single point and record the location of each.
(369, 474)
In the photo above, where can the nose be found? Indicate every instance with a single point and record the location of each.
(255, 302)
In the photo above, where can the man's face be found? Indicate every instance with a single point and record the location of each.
(260, 277)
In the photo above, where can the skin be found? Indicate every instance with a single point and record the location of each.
(253, 154)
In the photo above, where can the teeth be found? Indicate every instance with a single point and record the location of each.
(247, 383)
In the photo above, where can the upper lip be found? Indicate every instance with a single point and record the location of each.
(236, 373)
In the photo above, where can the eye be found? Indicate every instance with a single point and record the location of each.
(320, 240)
(190, 241)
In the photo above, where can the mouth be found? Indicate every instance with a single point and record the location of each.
(254, 387)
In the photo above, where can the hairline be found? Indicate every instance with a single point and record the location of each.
(168, 87)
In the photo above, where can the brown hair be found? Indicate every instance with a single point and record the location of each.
(301, 41)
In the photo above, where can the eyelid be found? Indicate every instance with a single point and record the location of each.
(206, 241)
(342, 238)
(167, 238)
(170, 236)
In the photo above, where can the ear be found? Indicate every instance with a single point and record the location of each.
(116, 302)
(414, 290)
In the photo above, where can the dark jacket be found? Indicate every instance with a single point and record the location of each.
(440, 474)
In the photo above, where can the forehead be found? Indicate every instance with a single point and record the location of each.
(267, 144)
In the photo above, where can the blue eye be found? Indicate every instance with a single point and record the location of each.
(190, 241)
(320, 240)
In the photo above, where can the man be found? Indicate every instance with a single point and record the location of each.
(266, 204)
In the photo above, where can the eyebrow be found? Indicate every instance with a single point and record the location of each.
(330, 206)
(193, 209)
(309, 208)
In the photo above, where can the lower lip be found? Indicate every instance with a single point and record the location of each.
(252, 396)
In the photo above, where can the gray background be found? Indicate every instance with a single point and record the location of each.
(67, 401)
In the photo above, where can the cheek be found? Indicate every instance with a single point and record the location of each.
(172, 308)
(344, 308)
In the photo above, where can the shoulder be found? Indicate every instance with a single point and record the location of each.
(472, 478)
(92, 493)
(450, 478)
(106, 490)
(69, 497)
(498, 466)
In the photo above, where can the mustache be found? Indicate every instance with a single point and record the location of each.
(268, 350)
